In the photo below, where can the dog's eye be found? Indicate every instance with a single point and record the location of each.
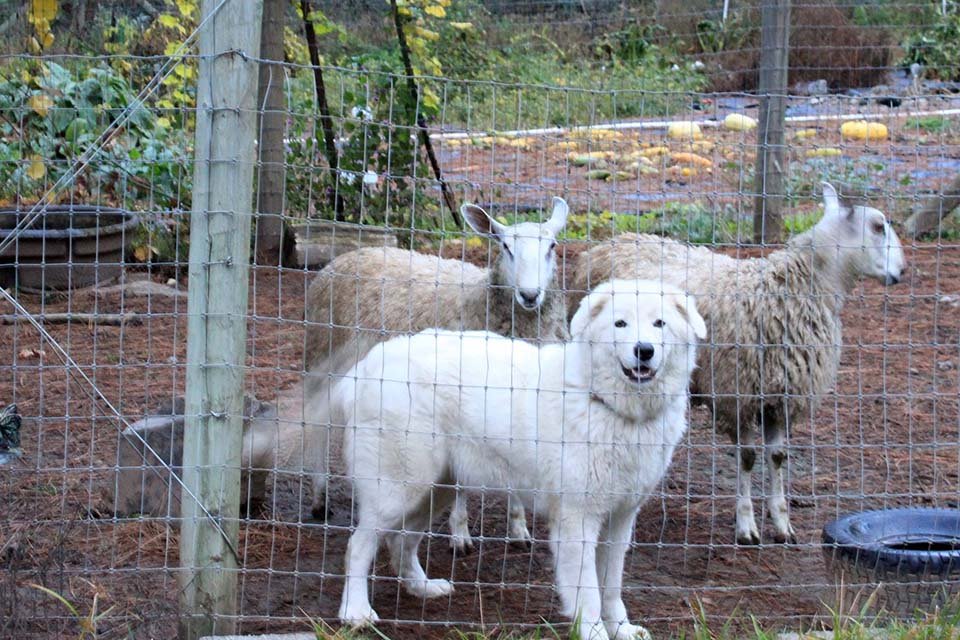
(620, 324)
(658, 323)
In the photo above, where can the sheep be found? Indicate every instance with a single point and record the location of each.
(774, 327)
(364, 297)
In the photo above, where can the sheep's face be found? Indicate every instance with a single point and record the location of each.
(878, 251)
(528, 258)
(644, 326)
(881, 254)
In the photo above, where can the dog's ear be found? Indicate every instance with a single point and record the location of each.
(590, 307)
(687, 307)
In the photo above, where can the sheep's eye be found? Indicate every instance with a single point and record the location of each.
(553, 245)
(620, 324)
(658, 323)
(878, 227)
(506, 248)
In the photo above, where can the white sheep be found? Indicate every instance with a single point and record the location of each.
(364, 297)
(774, 327)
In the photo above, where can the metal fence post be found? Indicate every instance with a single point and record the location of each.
(217, 305)
(771, 150)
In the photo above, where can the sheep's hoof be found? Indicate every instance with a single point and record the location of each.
(748, 538)
(788, 537)
(461, 547)
(319, 509)
(522, 544)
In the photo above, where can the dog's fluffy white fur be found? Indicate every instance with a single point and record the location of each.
(582, 432)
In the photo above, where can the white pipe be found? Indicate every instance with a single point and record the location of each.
(663, 124)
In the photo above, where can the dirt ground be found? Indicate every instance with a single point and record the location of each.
(887, 436)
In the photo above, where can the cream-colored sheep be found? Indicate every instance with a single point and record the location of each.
(368, 296)
(774, 326)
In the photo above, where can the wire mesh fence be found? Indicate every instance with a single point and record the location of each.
(641, 117)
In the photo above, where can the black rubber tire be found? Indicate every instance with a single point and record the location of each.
(898, 543)
(906, 560)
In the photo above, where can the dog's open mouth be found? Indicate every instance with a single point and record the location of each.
(641, 373)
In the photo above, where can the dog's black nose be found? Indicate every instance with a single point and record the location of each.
(529, 297)
(643, 351)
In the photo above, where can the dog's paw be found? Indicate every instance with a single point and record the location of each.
(429, 588)
(358, 615)
(626, 631)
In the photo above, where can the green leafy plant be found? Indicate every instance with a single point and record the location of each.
(50, 115)
(937, 48)
(88, 622)
(930, 124)
(716, 36)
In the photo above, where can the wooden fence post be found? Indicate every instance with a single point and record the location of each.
(771, 149)
(217, 306)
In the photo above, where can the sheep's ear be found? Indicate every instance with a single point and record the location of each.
(558, 219)
(590, 307)
(687, 306)
(831, 201)
(480, 221)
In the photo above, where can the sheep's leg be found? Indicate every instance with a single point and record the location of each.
(574, 543)
(517, 529)
(747, 532)
(776, 455)
(610, 558)
(460, 541)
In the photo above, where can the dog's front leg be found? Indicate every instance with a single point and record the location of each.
(574, 543)
(610, 557)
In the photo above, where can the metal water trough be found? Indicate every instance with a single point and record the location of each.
(66, 247)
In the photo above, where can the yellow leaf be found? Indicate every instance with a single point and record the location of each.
(41, 104)
(426, 34)
(163, 122)
(430, 100)
(435, 10)
(42, 10)
(463, 26)
(34, 45)
(47, 39)
(36, 170)
(141, 253)
(168, 20)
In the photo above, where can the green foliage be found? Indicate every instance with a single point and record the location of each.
(696, 223)
(937, 48)
(716, 36)
(930, 124)
(50, 115)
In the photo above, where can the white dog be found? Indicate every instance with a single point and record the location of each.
(581, 432)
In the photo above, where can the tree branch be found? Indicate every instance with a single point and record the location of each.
(326, 123)
(448, 197)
